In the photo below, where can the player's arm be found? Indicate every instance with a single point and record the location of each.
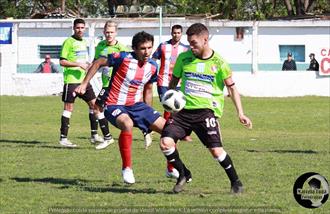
(147, 94)
(235, 97)
(174, 82)
(177, 73)
(67, 63)
(81, 89)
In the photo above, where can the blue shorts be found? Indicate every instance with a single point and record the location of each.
(141, 114)
(161, 91)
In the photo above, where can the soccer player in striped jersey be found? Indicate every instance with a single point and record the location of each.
(167, 52)
(129, 95)
(204, 74)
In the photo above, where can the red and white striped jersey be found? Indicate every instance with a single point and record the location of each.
(128, 78)
(167, 54)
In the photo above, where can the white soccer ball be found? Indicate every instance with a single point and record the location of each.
(173, 101)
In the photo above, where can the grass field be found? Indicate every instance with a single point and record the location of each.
(290, 137)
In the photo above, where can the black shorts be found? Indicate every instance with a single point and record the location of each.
(69, 95)
(201, 121)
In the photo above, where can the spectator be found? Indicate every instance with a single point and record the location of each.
(47, 66)
(289, 64)
(314, 65)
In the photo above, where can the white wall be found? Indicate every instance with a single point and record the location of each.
(261, 84)
(313, 34)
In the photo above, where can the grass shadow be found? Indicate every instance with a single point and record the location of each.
(44, 146)
(31, 142)
(286, 151)
(85, 185)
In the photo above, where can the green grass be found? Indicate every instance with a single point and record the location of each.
(290, 137)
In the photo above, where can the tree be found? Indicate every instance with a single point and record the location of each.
(224, 9)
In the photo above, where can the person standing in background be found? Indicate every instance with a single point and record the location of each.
(74, 59)
(47, 66)
(289, 64)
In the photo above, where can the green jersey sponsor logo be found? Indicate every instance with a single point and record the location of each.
(202, 81)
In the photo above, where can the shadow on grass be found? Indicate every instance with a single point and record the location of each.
(31, 142)
(84, 185)
(36, 144)
(286, 151)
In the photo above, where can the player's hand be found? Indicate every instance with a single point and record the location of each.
(81, 89)
(245, 121)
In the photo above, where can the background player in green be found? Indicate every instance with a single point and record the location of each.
(204, 74)
(74, 59)
(107, 46)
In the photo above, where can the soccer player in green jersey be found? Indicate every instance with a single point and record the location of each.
(108, 46)
(74, 59)
(204, 74)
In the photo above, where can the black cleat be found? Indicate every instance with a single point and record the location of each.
(188, 176)
(181, 182)
(236, 187)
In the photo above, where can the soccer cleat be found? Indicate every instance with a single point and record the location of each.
(188, 175)
(172, 174)
(236, 187)
(147, 140)
(96, 139)
(181, 182)
(66, 143)
(128, 176)
(106, 143)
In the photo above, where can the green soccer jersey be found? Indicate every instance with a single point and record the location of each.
(103, 49)
(202, 81)
(74, 50)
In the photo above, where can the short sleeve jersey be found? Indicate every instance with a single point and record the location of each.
(167, 54)
(74, 50)
(202, 81)
(103, 50)
(128, 78)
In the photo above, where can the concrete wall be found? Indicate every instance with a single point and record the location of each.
(261, 84)
(255, 59)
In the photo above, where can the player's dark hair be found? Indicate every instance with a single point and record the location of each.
(197, 29)
(141, 37)
(78, 21)
(176, 27)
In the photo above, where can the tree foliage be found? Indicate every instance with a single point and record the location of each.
(222, 9)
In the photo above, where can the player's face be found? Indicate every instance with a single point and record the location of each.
(79, 30)
(143, 51)
(197, 44)
(110, 34)
(176, 34)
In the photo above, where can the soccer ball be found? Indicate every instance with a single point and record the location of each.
(173, 101)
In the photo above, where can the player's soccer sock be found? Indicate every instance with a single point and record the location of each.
(104, 125)
(226, 162)
(172, 156)
(65, 123)
(170, 166)
(93, 122)
(167, 115)
(125, 147)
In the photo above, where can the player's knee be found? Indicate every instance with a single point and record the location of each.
(217, 151)
(124, 122)
(166, 143)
